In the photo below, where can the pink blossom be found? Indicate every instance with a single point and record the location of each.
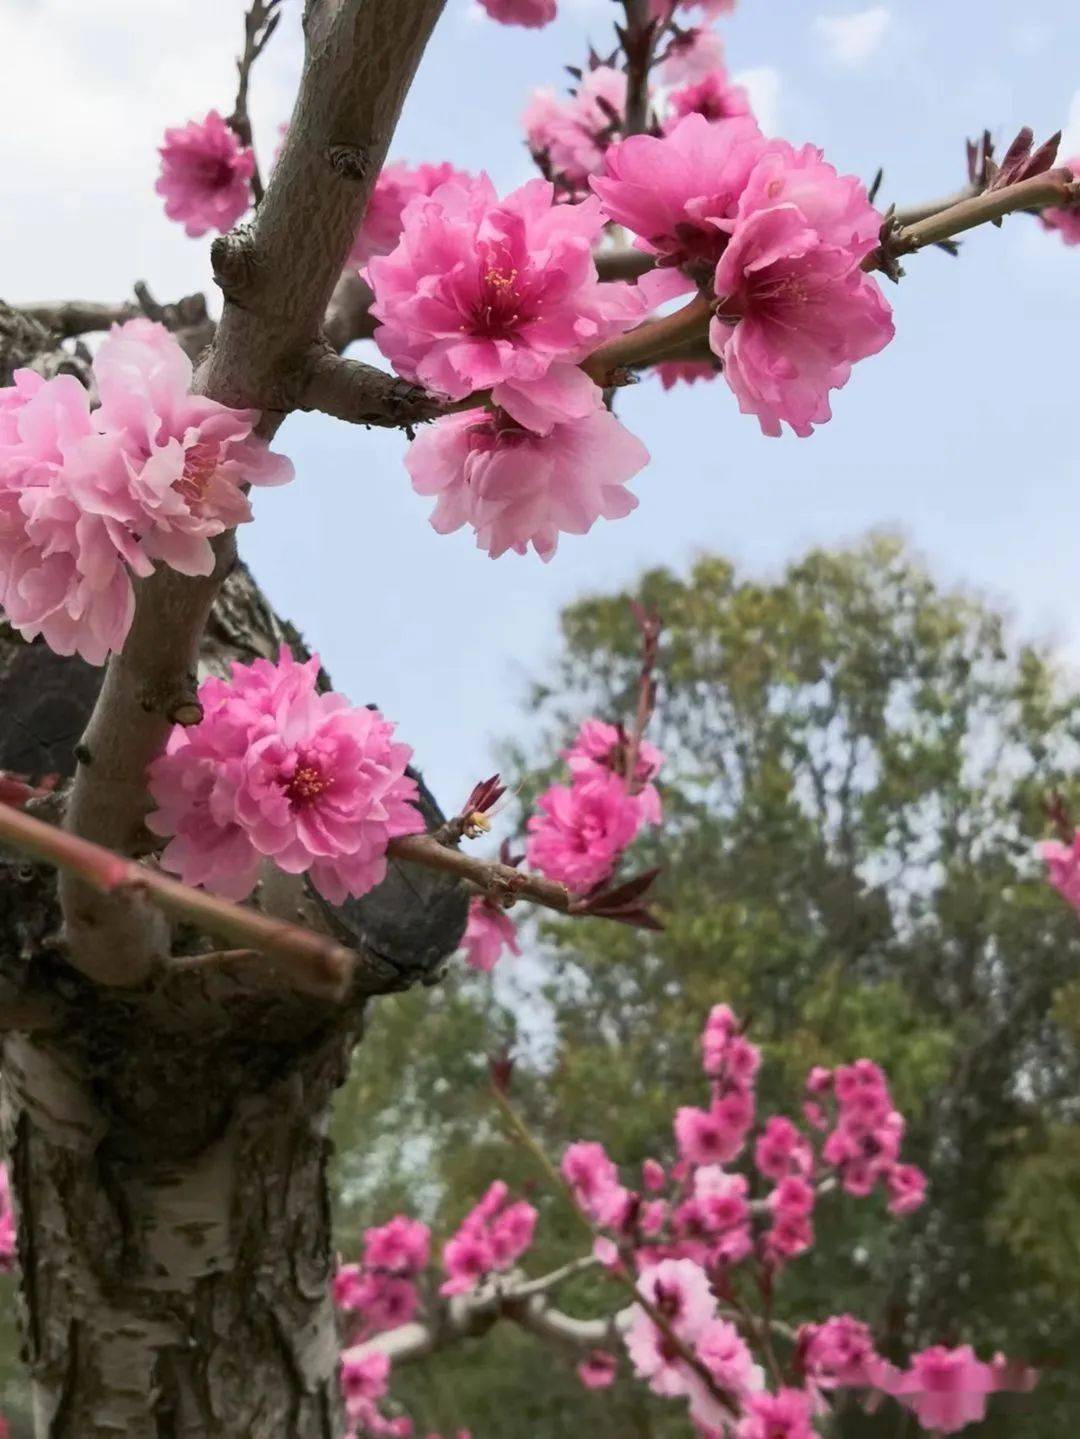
(1065, 219)
(721, 1198)
(516, 488)
(488, 932)
(679, 1290)
(711, 9)
(652, 1175)
(170, 466)
(531, 13)
(713, 96)
(1063, 867)
(401, 1246)
(483, 294)
(721, 1027)
(725, 1355)
(838, 1352)
(397, 184)
(594, 1182)
(7, 1223)
(686, 372)
(491, 1237)
(679, 193)
(276, 770)
(834, 206)
(205, 175)
(570, 137)
(715, 1135)
(600, 748)
(691, 56)
(798, 313)
(581, 831)
(782, 1150)
(783, 1415)
(598, 1369)
(946, 1388)
(907, 1188)
(364, 1375)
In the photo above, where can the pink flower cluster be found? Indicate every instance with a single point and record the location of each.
(488, 931)
(530, 13)
(365, 1377)
(582, 829)
(569, 137)
(864, 1143)
(1065, 220)
(380, 1292)
(205, 175)
(90, 498)
(783, 238)
(491, 1238)
(276, 770)
(397, 184)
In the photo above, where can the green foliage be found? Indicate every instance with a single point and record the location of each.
(857, 769)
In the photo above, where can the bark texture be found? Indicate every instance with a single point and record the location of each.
(167, 1142)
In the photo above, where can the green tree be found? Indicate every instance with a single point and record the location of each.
(857, 767)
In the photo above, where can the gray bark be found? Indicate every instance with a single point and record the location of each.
(167, 1143)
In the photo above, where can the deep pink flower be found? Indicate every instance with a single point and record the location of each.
(711, 9)
(652, 1176)
(364, 1375)
(687, 372)
(716, 1135)
(598, 1369)
(600, 748)
(594, 1181)
(7, 1223)
(569, 137)
(490, 1238)
(783, 1415)
(839, 1352)
(401, 1246)
(581, 831)
(679, 193)
(483, 294)
(1063, 867)
(713, 96)
(313, 784)
(517, 488)
(488, 932)
(834, 206)
(1065, 220)
(781, 1150)
(797, 315)
(724, 1353)
(531, 13)
(946, 1388)
(721, 1028)
(397, 184)
(205, 175)
(907, 1188)
(692, 55)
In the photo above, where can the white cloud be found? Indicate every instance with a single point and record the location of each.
(1070, 135)
(763, 86)
(853, 39)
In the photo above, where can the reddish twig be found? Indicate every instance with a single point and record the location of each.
(314, 961)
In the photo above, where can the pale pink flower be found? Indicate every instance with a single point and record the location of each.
(1063, 867)
(581, 831)
(601, 748)
(686, 372)
(516, 488)
(569, 137)
(531, 13)
(483, 294)
(711, 9)
(488, 932)
(797, 314)
(720, 1030)
(401, 1246)
(679, 1290)
(722, 1350)
(679, 193)
(783, 1415)
(946, 1388)
(170, 465)
(714, 96)
(314, 784)
(1065, 219)
(691, 56)
(205, 175)
(380, 229)
(598, 1369)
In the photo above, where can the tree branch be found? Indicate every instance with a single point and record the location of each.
(277, 277)
(314, 962)
(638, 38)
(499, 881)
(260, 22)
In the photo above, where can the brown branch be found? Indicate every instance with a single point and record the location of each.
(499, 881)
(638, 36)
(68, 318)
(277, 277)
(313, 961)
(260, 22)
(649, 341)
(622, 263)
(363, 395)
(348, 316)
(912, 214)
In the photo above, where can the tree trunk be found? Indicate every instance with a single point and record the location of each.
(167, 1146)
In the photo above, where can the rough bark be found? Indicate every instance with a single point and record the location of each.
(168, 1142)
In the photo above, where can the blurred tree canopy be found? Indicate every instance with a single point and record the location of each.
(857, 766)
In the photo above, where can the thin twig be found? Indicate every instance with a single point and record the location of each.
(260, 22)
(314, 961)
(639, 37)
(499, 882)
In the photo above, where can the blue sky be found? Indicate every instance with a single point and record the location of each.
(960, 434)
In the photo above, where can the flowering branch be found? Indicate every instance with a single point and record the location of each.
(260, 22)
(277, 277)
(499, 881)
(314, 962)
